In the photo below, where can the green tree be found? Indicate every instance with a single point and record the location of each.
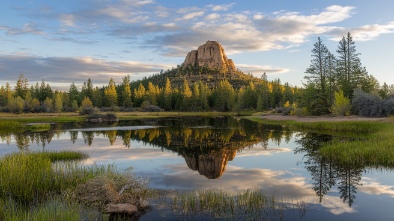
(73, 93)
(348, 66)
(317, 73)
(224, 96)
(21, 87)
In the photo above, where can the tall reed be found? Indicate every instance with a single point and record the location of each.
(246, 205)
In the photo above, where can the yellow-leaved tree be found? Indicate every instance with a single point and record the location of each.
(341, 106)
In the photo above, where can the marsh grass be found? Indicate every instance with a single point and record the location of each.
(54, 209)
(11, 126)
(38, 127)
(32, 177)
(246, 205)
(373, 145)
(31, 184)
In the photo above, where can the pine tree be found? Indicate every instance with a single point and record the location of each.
(317, 73)
(73, 93)
(21, 87)
(349, 66)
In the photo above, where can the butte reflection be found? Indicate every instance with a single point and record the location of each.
(208, 149)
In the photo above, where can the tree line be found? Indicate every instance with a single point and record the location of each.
(335, 84)
(129, 96)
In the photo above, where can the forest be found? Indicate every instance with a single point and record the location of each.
(335, 84)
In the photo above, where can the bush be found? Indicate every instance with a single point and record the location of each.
(286, 111)
(367, 105)
(341, 106)
(388, 106)
(87, 107)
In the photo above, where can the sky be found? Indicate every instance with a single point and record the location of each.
(62, 42)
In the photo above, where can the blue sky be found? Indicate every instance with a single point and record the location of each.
(70, 41)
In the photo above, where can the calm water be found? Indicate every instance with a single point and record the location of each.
(229, 154)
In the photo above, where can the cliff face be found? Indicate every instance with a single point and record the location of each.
(211, 55)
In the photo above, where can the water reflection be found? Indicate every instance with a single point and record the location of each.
(207, 145)
(327, 173)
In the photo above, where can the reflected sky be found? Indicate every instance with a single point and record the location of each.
(248, 158)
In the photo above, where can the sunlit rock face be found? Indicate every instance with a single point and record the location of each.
(211, 165)
(211, 55)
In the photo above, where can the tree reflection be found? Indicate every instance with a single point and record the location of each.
(327, 173)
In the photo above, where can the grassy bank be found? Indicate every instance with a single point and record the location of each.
(75, 117)
(56, 186)
(373, 146)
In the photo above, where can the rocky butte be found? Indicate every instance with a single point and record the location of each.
(211, 55)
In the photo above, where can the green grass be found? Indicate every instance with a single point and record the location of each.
(55, 209)
(246, 205)
(38, 127)
(373, 145)
(28, 177)
(31, 184)
(7, 126)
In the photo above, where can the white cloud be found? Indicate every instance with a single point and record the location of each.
(258, 16)
(68, 70)
(371, 186)
(363, 33)
(224, 7)
(192, 15)
(212, 16)
(260, 69)
(28, 28)
(67, 20)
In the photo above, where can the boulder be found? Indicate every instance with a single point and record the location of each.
(125, 208)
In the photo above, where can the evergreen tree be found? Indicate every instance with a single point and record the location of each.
(73, 93)
(317, 73)
(224, 96)
(21, 87)
(349, 66)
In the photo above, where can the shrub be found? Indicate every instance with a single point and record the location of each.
(367, 105)
(286, 111)
(388, 106)
(86, 107)
(341, 106)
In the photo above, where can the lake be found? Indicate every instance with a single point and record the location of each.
(228, 154)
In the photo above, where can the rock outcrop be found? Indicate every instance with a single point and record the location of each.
(211, 55)
(213, 165)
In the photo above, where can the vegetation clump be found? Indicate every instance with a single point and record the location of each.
(99, 117)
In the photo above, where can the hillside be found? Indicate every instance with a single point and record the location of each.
(208, 64)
